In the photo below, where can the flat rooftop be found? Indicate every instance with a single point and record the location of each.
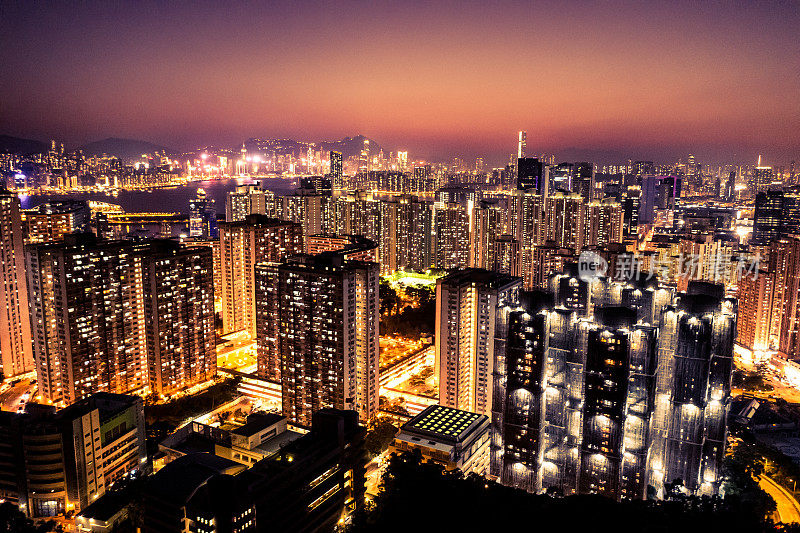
(443, 422)
(257, 422)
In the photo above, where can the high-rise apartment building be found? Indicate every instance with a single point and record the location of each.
(245, 200)
(489, 219)
(244, 244)
(577, 389)
(471, 310)
(15, 327)
(693, 384)
(789, 274)
(336, 172)
(178, 288)
(452, 235)
(415, 223)
(564, 220)
(603, 223)
(317, 324)
(51, 220)
(113, 316)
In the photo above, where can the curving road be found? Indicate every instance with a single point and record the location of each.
(788, 509)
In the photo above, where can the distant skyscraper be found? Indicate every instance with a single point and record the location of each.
(522, 144)
(336, 170)
(762, 177)
(202, 216)
(767, 218)
(532, 175)
(317, 323)
(15, 326)
(471, 306)
(583, 182)
(243, 245)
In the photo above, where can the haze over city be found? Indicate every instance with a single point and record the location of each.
(654, 80)
(366, 267)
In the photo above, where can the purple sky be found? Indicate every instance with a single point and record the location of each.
(645, 79)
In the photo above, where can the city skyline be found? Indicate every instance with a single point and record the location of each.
(435, 80)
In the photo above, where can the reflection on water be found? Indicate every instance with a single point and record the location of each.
(172, 199)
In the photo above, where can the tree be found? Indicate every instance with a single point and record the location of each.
(380, 436)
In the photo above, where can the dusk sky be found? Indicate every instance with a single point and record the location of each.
(645, 79)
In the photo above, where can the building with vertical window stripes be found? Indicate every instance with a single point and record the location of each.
(617, 397)
(471, 310)
(317, 332)
(243, 244)
(120, 316)
(16, 355)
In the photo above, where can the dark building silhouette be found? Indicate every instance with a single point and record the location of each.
(310, 485)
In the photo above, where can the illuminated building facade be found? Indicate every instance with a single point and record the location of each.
(583, 183)
(450, 437)
(317, 324)
(246, 200)
(312, 484)
(693, 386)
(50, 221)
(575, 394)
(789, 340)
(489, 220)
(53, 461)
(414, 234)
(336, 172)
(242, 245)
(179, 318)
(106, 313)
(203, 216)
(471, 310)
(16, 354)
(768, 217)
(452, 235)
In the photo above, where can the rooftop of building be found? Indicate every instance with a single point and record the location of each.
(444, 423)
(258, 220)
(257, 422)
(179, 479)
(107, 403)
(478, 275)
(58, 207)
(107, 506)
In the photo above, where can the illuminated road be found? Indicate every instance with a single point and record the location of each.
(788, 509)
(10, 398)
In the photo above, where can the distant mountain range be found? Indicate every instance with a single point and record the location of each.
(349, 146)
(15, 145)
(131, 149)
(125, 149)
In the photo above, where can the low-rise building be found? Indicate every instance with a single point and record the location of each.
(451, 437)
